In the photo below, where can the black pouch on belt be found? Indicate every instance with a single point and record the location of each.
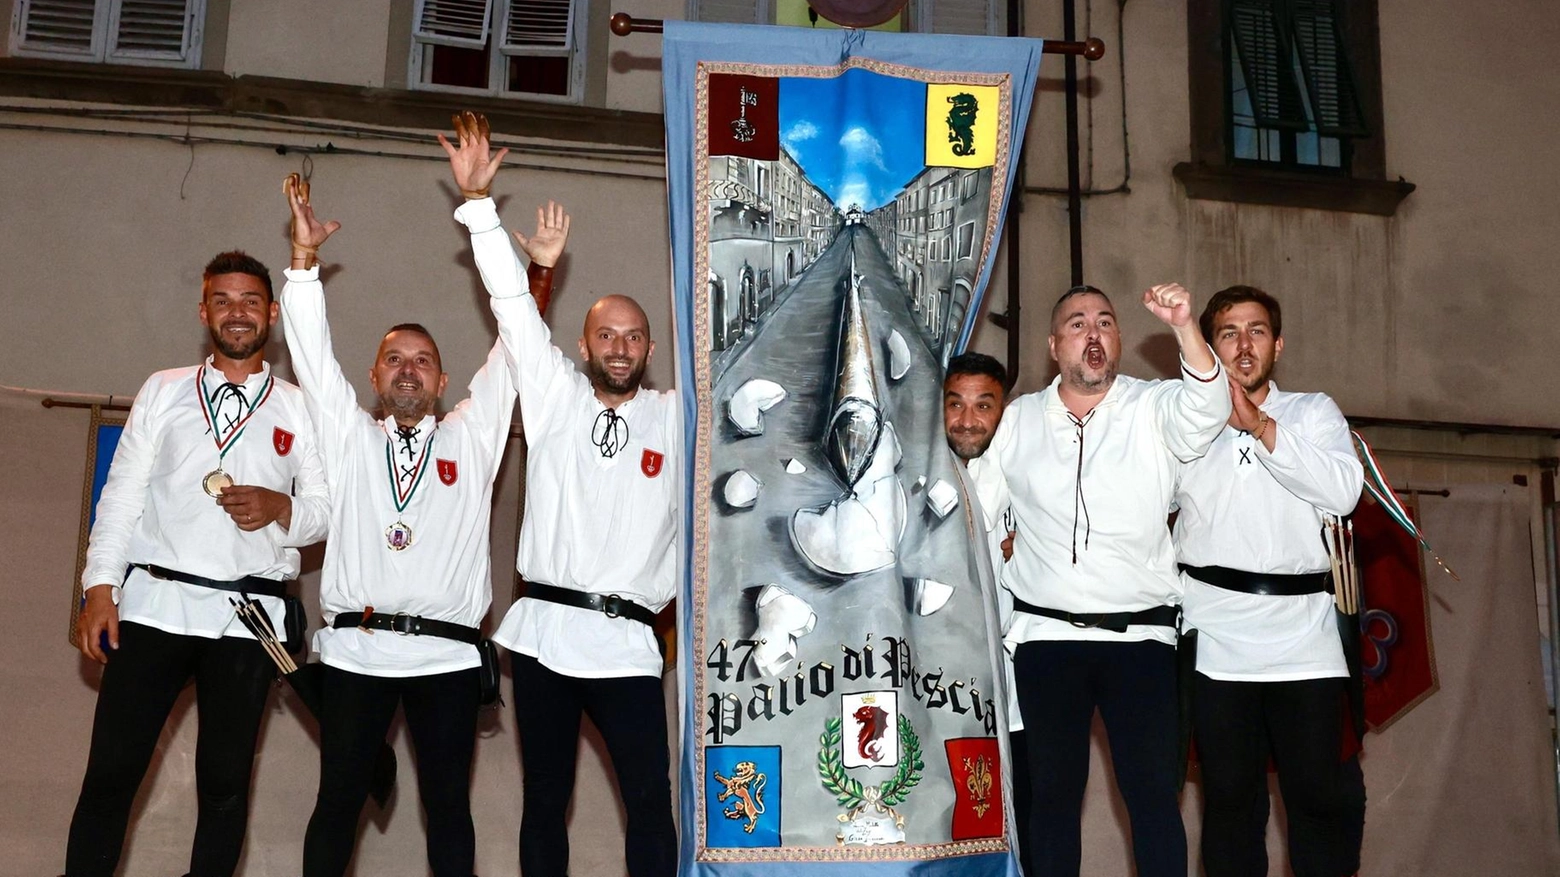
(297, 624)
(487, 673)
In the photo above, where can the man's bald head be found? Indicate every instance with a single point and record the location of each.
(616, 347)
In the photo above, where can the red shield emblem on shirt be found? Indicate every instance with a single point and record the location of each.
(650, 463)
(282, 441)
(447, 472)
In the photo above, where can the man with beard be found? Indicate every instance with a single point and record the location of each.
(1091, 463)
(1271, 672)
(597, 554)
(406, 580)
(198, 506)
(974, 390)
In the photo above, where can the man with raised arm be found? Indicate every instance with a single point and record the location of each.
(1271, 671)
(1091, 464)
(597, 550)
(406, 581)
(215, 484)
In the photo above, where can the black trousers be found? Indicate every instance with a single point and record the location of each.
(1018, 775)
(140, 684)
(1300, 725)
(441, 715)
(630, 713)
(1060, 684)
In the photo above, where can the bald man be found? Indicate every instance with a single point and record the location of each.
(597, 554)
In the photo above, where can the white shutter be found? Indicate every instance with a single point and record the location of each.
(533, 25)
(162, 29)
(729, 11)
(63, 27)
(979, 17)
(462, 23)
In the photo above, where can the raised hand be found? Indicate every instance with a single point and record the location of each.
(307, 231)
(1171, 303)
(552, 232)
(471, 162)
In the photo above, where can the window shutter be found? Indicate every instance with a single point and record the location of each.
(462, 23)
(1267, 64)
(1318, 38)
(729, 11)
(539, 24)
(58, 26)
(153, 29)
(962, 17)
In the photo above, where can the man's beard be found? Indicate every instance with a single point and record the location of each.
(405, 404)
(1079, 380)
(968, 445)
(1258, 379)
(602, 379)
(227, 348)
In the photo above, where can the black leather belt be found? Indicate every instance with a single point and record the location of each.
(1266, 584)
(1159, 616)
(247, 584)
(407, 625)
(610, 605)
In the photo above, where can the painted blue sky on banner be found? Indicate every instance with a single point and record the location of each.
(859, 136)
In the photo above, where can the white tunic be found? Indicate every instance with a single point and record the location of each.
(153, 510)
(1247, 509)
(445, 574)
(997, 515)
(1092, 496)
(595, 523)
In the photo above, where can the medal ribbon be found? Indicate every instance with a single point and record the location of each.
(208, 408)
(404, 498)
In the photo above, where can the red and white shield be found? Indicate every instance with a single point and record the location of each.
(651, 463)
(447, 471)
(282, 441)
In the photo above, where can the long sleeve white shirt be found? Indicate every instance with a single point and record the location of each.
(445, 574)
(1091, 498)
(594, 523)
(1246, 508)
(153, 510)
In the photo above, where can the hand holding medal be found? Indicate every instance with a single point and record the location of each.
(253, 508)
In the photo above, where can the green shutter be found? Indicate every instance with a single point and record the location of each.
(1316, 28)
(1267, 63)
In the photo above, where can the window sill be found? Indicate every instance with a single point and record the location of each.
(397, 108)
(1288, 189)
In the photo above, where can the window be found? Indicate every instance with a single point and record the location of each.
(1285, 100)
(154, 32)
(966, 240)
(498, 47)
(1292, 98)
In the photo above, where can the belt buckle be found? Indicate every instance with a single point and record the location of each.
(611, 606)
(1082, 625)
(398, 627)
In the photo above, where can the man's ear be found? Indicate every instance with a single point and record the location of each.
(1278, 347)
(1050, 344)
(444, 381)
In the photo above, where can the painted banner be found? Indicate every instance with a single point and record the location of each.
(836, 199)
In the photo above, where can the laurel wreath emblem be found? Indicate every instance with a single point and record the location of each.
(850, 792)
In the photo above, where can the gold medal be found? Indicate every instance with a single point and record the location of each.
(215, 482)
(398, 536)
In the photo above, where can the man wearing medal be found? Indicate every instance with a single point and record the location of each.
(596, 552)
(214, 485)
(406, 578)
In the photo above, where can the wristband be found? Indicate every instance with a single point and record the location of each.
(474, 194)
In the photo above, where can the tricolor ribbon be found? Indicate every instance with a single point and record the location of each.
(1380, 489)
(404, 498)
(208, 407)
